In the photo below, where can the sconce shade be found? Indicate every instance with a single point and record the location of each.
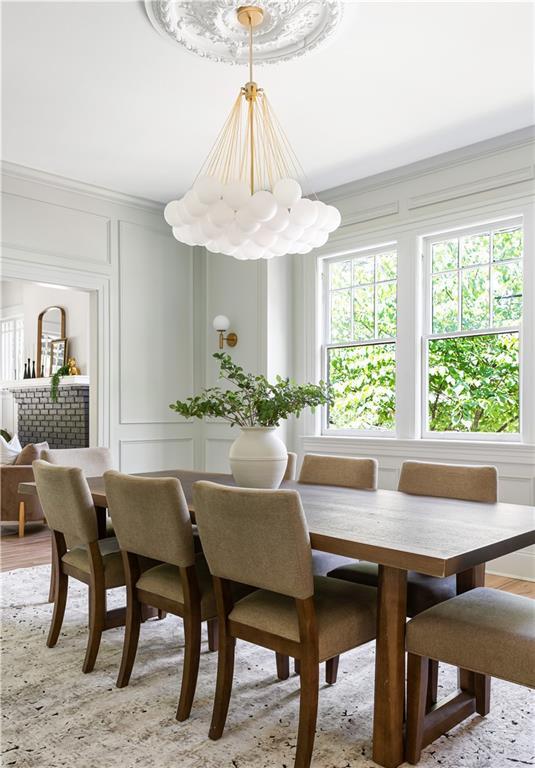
(221, 323)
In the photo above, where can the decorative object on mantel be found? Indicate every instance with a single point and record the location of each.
(73, 367)
(246, 201)
(54, 381)
(69, 369)
(221, 324)
(210, 29)
(258, 456)
(58, 354)
(51, 324)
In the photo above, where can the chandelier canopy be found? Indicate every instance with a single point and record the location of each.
(246, 201)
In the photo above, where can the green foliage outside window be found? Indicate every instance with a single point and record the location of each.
(474, 384)
(363, 385)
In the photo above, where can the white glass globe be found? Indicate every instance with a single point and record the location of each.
(292, 232)
(321, 211)
(287, 192)
(303, 213)
(213, 246)
(226, 246)
(280, 221)
(172, 215)
(252, 250)
(184, 235)
(333, 219)
(198, 235)
(193, 205)
(185, 215)
(208, 189)
(220, 213)
(262, 206)
(221, 323)
(264, 237)
(236, 194)
(318, 238)
(209, 228)
(235, 235)
(245, 221)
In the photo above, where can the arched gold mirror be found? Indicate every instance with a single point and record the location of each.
(50, 327)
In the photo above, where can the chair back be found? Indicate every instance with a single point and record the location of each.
(66, 500)
(151, 517)
(255, 537)
(345, 471)
(291, 466)
(450, 481)
(92, 461)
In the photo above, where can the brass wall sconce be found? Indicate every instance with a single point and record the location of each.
(221, 324)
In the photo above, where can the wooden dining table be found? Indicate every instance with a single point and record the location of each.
(401, 533)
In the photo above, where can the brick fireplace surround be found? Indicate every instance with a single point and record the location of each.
(63, 424)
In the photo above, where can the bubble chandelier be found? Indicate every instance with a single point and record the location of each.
(246, 201)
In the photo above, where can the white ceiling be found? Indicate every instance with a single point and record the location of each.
(92, 92)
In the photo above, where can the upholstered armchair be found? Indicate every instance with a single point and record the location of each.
(14, 507)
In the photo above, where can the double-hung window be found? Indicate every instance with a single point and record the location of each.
(471, 343)
(360, 314)
(11, 347)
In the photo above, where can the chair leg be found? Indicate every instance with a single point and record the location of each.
(51, 590)
(59, 589)
(479, 686)
(225, 670)
(190, 670)
(283, 666)
(417, 686)
(308, 711)
(22, 518)
(432, 684)
(331, 670)
(131, 638)
(97, 614)
(213, 634)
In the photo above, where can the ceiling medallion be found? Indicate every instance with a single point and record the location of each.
(210, 28)
(246, 201)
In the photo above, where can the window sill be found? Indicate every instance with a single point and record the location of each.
(423, 449)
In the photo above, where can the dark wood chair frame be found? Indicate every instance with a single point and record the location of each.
(99, 618)
(189, 611)
(305, 651)
(427, 720)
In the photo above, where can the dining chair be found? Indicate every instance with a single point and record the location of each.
(77, 551)
(291, 466)
(485, 631)
(93, 462)
(452, 481)
(260, 538)
(152, 521)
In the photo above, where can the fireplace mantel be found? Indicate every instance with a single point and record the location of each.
(65, 381)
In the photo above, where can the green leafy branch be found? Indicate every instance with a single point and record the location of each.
(54, 381)
(252, 401)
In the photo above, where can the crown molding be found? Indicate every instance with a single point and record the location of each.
(25, 173)
(455, 157)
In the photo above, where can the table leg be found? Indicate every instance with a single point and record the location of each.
(101, 522)
(389, 704)
(473, 682)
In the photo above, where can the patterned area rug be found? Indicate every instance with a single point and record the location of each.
(54, 715)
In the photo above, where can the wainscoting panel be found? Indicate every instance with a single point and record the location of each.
(151, 455)
(216, 454)
(46, 228)
(155, 324)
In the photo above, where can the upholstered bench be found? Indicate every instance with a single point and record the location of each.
(483, 631)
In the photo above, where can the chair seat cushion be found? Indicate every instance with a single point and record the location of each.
(422, 591)
(78, 557)
(164, 580)
(483, 630)
(346, 615)
(323, 562)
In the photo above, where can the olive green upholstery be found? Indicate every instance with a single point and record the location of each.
(111, 560)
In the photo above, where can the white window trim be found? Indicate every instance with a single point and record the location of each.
(326, 429)
(427, 335)
(409, 237)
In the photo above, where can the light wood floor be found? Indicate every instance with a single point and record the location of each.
(34, 549)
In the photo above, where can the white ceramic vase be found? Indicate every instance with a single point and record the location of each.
(258, 458)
